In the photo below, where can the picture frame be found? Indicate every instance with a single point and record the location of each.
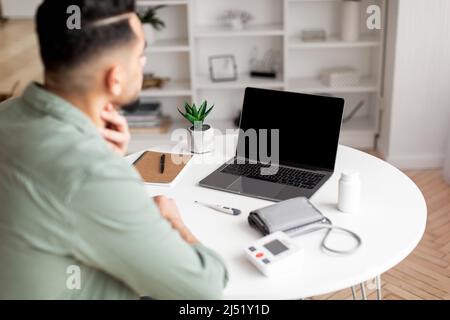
(223, 68)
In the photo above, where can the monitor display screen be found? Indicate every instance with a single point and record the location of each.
(308, 127)
(275, 247)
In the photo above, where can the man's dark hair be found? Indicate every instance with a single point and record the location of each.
(62, 49)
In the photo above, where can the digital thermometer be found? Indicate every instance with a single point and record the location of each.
(275, 253)
(223, 209)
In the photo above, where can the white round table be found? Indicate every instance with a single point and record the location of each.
(391, 223)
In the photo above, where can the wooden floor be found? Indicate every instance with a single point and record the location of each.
(425, 274)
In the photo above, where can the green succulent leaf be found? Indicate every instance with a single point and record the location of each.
(209, 110)
(201, 112)
(187, 116)
(194, 110)
(183, 114)
(196, 114)
(190, 118)
(188, 108)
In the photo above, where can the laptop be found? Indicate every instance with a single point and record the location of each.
(286, 147)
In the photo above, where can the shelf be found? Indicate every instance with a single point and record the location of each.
(144, 139)
(174, 88)
(169, 45)
(318, 1)
(358, 133)
(243, 81)
(314, 85)
(250, 31)
(358, 125)
(334, 42)
(302, 59)
(161, 2)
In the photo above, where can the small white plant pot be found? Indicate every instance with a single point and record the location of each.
(150, 33)
(351, 20)
(201, 141)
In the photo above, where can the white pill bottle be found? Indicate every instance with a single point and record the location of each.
(349, 196)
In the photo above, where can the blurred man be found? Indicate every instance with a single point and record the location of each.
(75, 221)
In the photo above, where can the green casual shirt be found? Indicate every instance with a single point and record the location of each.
(75, 221)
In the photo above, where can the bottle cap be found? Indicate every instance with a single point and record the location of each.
(350, 175)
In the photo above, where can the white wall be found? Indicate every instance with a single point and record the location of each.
(417, 98)
(19, 8)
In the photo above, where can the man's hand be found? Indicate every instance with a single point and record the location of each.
(116, 131)
(168, 210)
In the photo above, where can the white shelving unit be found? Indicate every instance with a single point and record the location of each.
(334, 42)
(261, 30)
(314, 85)
(169, 45)
(161, 2)
(194, 33)
(174, 88)
(244, 80)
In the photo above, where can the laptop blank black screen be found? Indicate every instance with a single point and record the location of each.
(309, 126)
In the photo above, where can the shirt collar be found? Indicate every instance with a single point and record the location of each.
(47, 102)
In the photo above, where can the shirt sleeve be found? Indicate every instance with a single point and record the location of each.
(119, 230)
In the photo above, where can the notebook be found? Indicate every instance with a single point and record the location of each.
(161, 168)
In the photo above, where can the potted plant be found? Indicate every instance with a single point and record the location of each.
(201, 136)
(151, 23)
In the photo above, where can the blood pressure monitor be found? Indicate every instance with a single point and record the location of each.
(275, 253)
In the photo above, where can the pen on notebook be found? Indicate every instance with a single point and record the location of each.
(162, 162)
(223, 209)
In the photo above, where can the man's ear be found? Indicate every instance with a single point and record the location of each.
(115, 78)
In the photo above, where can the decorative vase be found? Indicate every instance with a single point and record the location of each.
(201, 141)
(351, 20)
(150, 33)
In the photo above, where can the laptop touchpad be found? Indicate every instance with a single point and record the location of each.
(256, 187)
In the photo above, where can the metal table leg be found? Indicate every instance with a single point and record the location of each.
(378, 284)
(353, 292)
(363, 291)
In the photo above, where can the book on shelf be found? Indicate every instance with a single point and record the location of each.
(146, 117)
(142, 118)
(143, 109)
(145, 124)
(162, 127)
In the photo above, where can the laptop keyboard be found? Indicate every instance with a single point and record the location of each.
(287, 176)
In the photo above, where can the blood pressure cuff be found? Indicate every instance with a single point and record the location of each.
(291, 216)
